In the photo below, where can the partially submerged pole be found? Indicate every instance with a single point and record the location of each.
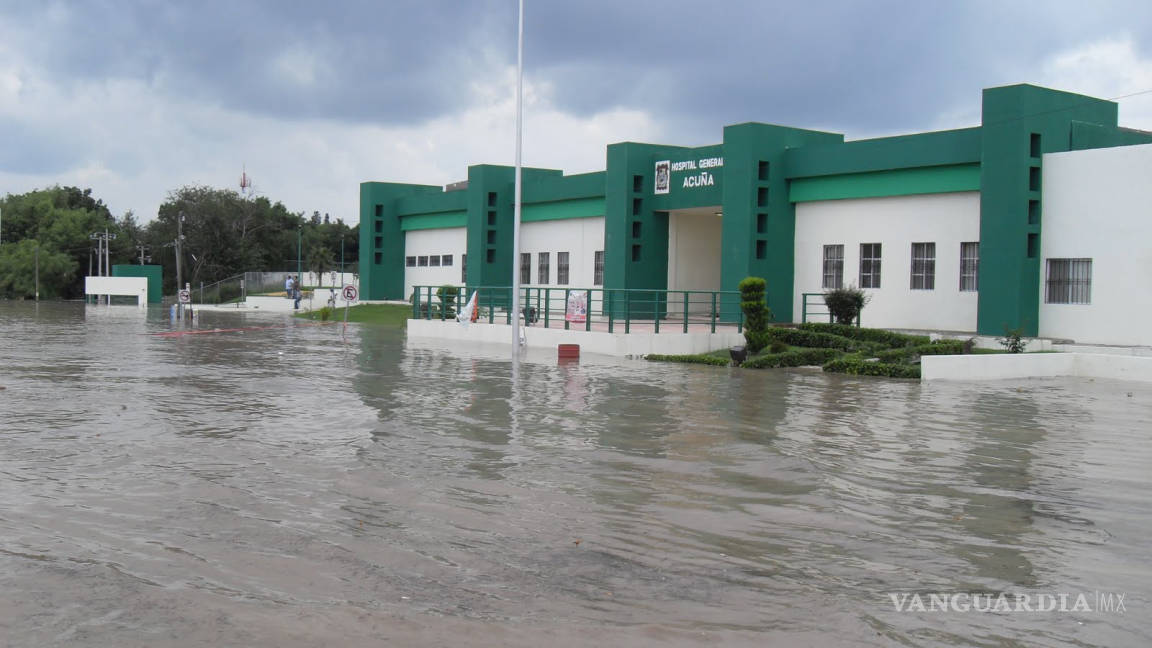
(516, 204)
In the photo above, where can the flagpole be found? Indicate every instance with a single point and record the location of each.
(516, 204)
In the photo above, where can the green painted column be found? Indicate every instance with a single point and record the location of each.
(1020, 124)
(382, 240)
(759, 220)
(635, 231)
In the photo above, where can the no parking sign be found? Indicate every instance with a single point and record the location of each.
(350, 293)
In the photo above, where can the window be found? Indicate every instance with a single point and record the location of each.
(598, 268)
(923, 266)
(525, 267)
(410, 262)
(869, 265)
(562, 268)
(446, 260)
(463, 268)
(422, 261)
(542, 268)
(969, 267)
(1069, 281)
(434, 260)
(833, 266)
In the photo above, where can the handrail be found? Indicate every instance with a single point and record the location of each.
(579, 306)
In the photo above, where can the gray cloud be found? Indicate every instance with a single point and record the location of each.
(864, 66)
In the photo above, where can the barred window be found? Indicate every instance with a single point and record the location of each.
(410, 262)
(562, 268)
(598, 268)
(1069, 281)
(422, 261)
(525, 267)
(833, 266)
(869, 265)
(969, 267)
(446, 260)
(542, 268)
(434, 260)
(463, 268)
(923, 266)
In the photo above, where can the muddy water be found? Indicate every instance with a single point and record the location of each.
(285, 486)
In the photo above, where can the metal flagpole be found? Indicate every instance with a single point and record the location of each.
(516, 205)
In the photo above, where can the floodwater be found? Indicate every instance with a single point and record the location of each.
(287, 486)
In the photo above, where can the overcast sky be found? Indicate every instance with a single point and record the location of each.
(135, 98)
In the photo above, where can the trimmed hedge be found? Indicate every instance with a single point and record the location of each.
(715, 361)
(858, 367)
(940, 347)
(795, 358)
(887, 338)
(802, 338)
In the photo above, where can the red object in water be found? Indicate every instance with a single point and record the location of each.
(567, 351)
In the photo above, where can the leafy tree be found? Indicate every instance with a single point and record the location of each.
(58, 221)
(18, 270)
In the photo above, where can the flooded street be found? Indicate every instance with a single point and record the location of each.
(280, 486)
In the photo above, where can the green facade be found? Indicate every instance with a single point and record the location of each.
(153, 273)
(754, 178)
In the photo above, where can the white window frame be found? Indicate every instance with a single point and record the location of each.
(543, 268)
(970, 266)
(1068, 281)
(833, 267)
(871, 277)
(923, 273)
(562, 269)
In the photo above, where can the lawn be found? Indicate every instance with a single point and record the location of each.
(382, 314)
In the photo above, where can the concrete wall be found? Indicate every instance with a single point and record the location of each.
(1097, 204)
(437, 242)
(694, 255)
(123, 286)
(947, 219)
(1035, 365)
(600, 342)
(579, 237)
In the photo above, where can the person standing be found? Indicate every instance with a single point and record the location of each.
(296, 294)
(288, 285)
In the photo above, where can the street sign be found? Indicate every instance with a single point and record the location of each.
(350, 293)
(185, 296)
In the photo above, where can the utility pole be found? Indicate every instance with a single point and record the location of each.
(141, 248)
(299, 258)
(37, 272)
(179, 239)
(341, 258)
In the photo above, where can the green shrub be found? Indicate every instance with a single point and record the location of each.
(325, 313)
(1013, 340)
(845, 304)
(887, 338)
(690, 359)
(860, 367)
(777, 346)
(756, 313)
(794, 358)
(447, 295)
(801, 338)
(940, 347)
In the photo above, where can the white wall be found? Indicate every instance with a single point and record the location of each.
(694, 253)
(896, 222)
(579, 237)
(122, 286)
(1097, 204)
(438, 242)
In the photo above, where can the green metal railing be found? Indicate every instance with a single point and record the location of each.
(579, 308)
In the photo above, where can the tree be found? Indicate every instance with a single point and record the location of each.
(58, 221)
